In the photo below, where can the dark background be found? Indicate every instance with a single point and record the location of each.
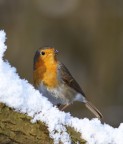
(89, 36)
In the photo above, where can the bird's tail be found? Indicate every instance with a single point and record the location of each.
(94, 110)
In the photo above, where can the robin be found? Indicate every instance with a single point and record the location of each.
(54, 81)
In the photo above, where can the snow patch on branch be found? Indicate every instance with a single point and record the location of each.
(20, 95)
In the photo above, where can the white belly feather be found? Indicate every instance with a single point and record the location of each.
(61, 95)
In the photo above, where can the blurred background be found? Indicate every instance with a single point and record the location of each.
(89, 37)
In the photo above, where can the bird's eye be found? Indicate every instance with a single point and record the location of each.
(42, 53)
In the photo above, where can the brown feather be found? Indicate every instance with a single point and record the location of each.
(68, 79)
(94, 110)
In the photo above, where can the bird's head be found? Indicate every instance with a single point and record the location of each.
(45, 55)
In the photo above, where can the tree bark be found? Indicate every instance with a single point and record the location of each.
(16, 128)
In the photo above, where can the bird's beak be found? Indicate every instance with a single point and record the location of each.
(56, 52)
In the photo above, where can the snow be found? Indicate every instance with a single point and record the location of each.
(17, 93)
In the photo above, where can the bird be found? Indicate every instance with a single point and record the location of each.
(54, 81)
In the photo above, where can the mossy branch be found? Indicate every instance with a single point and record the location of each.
(16, 128)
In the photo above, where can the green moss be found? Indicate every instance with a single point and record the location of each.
(75, 136)
(17, 128)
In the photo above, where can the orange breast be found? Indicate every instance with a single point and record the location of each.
(46, 73)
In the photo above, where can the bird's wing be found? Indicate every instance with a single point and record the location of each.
(68, 79)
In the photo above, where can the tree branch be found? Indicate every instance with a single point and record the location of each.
(16, 128)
